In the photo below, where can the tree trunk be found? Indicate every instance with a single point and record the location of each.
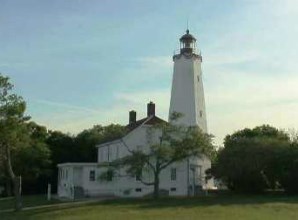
(8, 187)
(15, 180)
(156, 185)
(17, 193)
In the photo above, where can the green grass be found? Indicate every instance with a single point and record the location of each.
(229, 207)
(27, 201)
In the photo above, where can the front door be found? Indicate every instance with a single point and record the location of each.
(195, 180)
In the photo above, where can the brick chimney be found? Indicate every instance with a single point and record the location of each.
(150, 109)
(132, 117)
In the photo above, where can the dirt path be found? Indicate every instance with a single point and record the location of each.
(59, 205)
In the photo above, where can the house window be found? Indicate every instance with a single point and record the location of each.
(198, 78)
(173, 174)
(138, 189)
(118, 151)
(200, 171)
(201, 113)
(101, 152)
(92, 175)
(173, 189)
(66, 174)
(110, 174)
(106, 154)
(139, 175)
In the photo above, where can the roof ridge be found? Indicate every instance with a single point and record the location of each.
(147, 119)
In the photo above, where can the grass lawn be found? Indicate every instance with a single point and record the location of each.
(230, 207)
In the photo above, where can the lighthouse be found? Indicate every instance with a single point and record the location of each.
(187, 96)
(186, 177)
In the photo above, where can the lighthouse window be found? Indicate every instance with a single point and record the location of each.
(201, 114)
(198, 78)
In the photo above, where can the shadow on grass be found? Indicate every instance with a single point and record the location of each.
(169, 202)
(28, 201)
(210, 200)
(31, 214)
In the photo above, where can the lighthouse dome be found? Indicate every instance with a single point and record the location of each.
(187, 37)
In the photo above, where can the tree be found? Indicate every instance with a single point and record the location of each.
(176, 143)
(248, 160)
(263, 131)
(80, 148)
(62, 147)
(12, 130)
(286, 163)
(86, 140)
(4, 179)
(33, 161)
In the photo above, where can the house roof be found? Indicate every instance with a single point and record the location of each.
(150, 120)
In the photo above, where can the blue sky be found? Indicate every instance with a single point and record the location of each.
(83, 62)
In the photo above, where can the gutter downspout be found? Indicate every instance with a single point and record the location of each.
(187, 187)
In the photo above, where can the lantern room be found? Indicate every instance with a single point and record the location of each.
(187, 43)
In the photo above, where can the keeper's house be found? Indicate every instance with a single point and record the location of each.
(77, 180)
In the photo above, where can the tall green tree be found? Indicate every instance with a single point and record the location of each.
(13, 132)
(176, 143)
(62, 147)
(34, 161)
(248, 160)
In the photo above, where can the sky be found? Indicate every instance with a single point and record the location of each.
(78, 63)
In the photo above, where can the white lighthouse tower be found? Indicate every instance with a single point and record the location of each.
(188, 99)
(187, 86)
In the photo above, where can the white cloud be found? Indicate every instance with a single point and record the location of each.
(281, 7)
(240, 100)
(218, 58)
(160, 61)
(66, 106)
(139, 100)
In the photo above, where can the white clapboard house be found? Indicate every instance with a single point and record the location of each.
(77, 180)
